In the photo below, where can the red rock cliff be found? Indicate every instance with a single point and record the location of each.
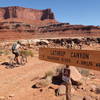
(25, 13)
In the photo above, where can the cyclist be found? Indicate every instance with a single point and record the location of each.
(15, 50)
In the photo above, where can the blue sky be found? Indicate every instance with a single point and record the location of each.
(86, 12)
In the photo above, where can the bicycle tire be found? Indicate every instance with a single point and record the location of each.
(23, 60)
(12, 63)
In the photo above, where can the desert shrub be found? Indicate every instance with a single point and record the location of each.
(84, 72)
(6, 52)
(27, 53)
(1, 52)
(55, 72)
(60, 68)
(49, 73)
(30, 53)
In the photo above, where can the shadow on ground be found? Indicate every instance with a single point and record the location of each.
(8, 65)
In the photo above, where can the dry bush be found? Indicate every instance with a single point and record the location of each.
(84, 72)
(1, 52)
(49, 73)
(26, 53)
(7, 52)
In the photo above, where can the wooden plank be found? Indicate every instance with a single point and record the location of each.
(89, 59)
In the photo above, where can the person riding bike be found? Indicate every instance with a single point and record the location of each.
(15, 50)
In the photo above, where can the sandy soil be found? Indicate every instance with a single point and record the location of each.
(17, 82)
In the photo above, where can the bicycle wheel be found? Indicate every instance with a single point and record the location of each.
(12, 63)
(23, 60)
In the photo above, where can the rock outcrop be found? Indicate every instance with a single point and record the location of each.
(25, 13)
(67, 28)
(18, 20)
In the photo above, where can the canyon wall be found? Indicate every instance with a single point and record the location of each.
(25, 13)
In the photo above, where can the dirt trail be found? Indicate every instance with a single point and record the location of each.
(18, 81)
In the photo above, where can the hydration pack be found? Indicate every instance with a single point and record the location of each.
(14, 46)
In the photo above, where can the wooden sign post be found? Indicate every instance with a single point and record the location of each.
(89, 59)
(68, 83)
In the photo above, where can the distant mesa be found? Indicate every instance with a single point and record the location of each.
(24, 23)
(25, 13)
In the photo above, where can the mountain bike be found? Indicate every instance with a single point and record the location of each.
(22, 61)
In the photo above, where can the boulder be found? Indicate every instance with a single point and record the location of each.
(62, 90)
(49, 79)
(75, 75)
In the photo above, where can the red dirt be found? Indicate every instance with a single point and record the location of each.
(18, 81)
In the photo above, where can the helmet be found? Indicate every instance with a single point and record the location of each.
(19, 42)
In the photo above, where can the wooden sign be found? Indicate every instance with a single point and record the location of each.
(89, 59)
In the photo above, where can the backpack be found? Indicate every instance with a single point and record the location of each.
(14, 46)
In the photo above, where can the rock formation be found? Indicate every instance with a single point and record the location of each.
(25, 13)
(19, 20)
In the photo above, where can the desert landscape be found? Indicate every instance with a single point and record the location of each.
(38, 79)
